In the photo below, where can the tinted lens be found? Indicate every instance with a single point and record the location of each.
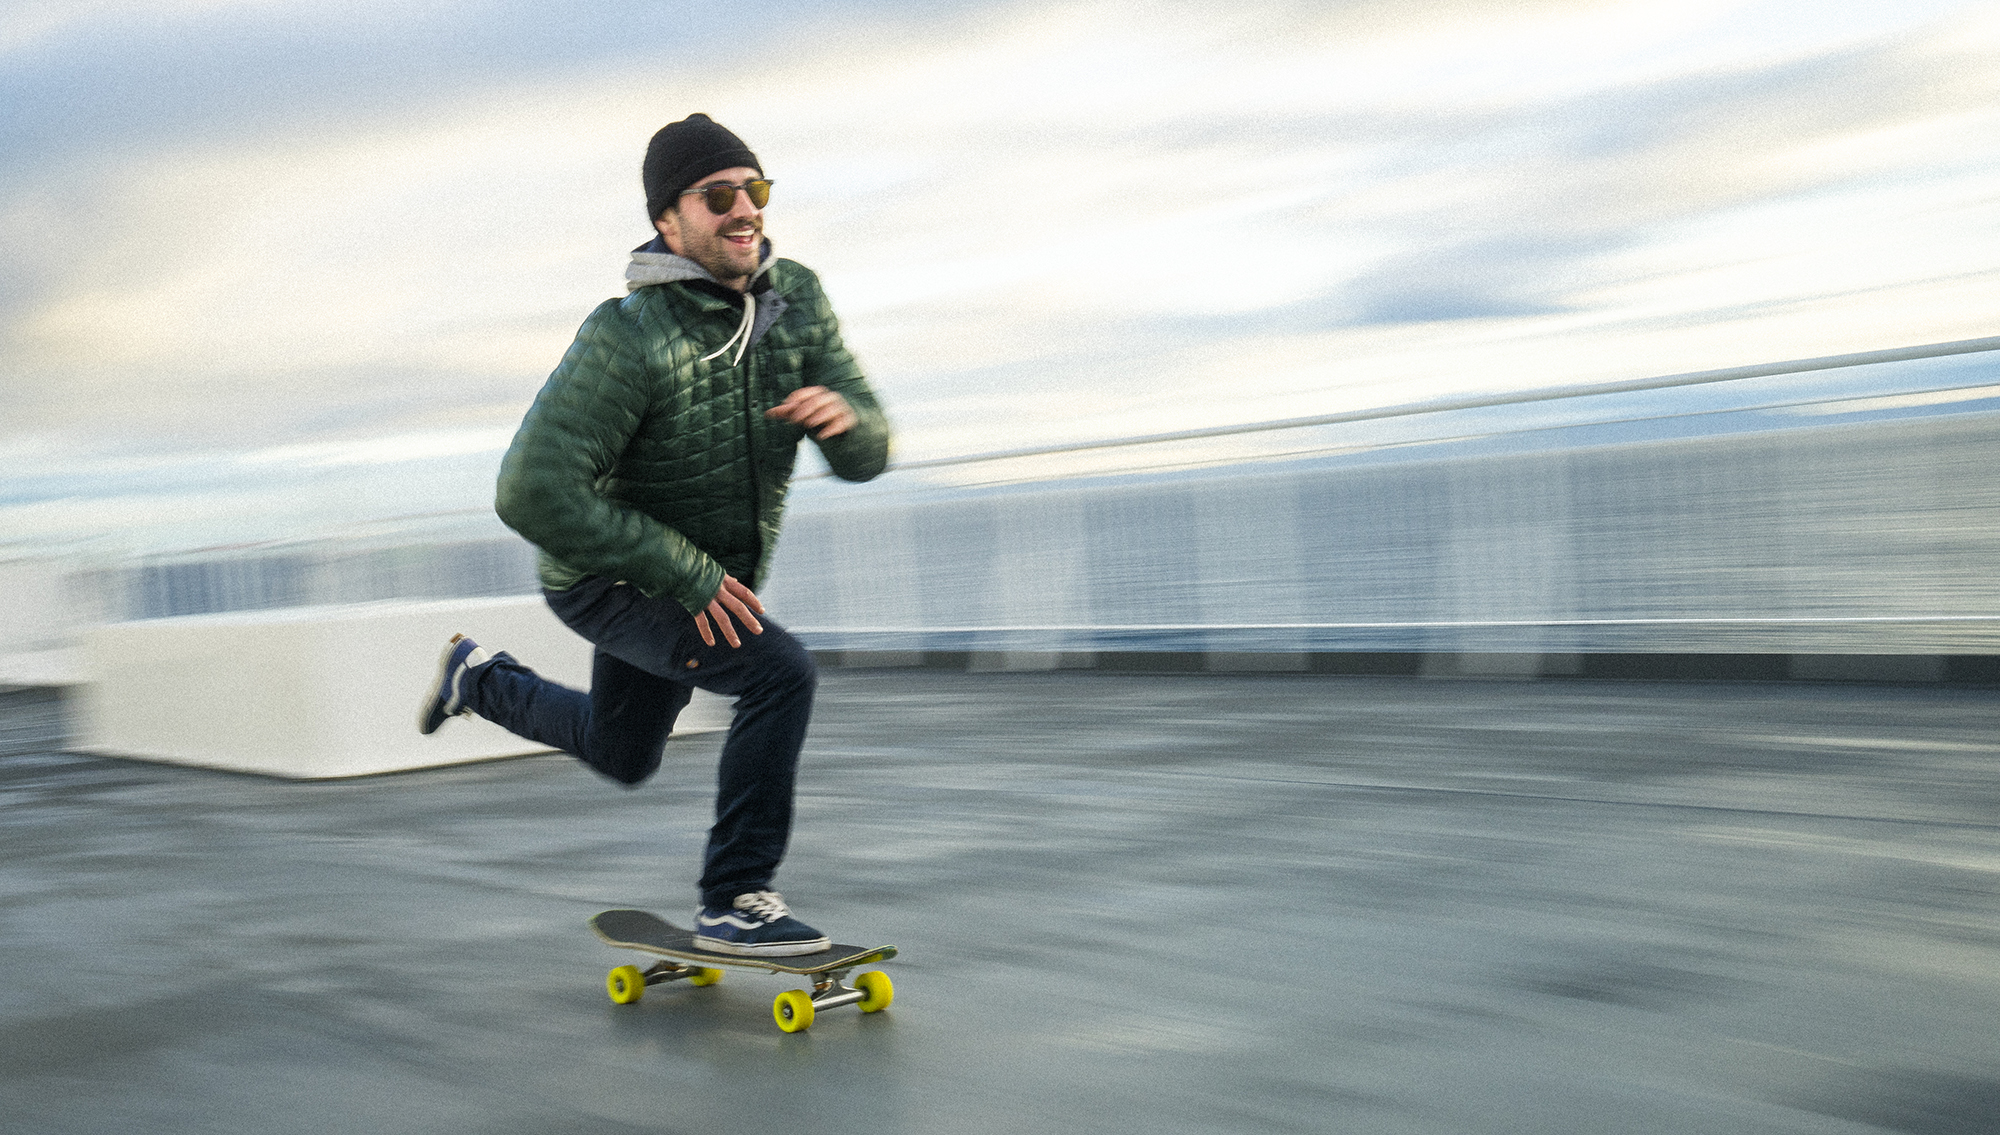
(721, 198)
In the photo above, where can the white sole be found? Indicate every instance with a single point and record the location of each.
(432, 700)
(780, 950)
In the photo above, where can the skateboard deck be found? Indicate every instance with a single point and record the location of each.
(794, 1009)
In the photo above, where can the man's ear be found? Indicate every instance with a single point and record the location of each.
(669, 225)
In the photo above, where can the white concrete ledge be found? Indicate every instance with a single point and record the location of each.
(42, 668)
(316, 692)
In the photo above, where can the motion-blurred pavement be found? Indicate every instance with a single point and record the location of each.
(1126, 902)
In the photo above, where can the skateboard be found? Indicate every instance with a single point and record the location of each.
(794, 1009)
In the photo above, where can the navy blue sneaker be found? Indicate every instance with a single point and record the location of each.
(446, 698)
(757, 923)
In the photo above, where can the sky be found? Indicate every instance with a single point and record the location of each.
(274, 267)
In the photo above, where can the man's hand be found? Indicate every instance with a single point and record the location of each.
(734, 598)
(822, 412)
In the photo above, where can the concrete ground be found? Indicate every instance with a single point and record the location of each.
(1126, 903)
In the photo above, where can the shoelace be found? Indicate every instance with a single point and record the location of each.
(767, 905)
(742, 333)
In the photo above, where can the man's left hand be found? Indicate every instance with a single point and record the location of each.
(821, 412)
(732, 597)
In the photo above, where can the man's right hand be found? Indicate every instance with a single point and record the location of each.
(733, 599)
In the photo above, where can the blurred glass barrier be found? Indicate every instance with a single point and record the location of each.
(1843, 509)
(1827, 507)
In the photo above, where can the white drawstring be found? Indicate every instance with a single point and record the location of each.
(742, 332)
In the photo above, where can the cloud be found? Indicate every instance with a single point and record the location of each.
(1428, 201)
(1039, 221)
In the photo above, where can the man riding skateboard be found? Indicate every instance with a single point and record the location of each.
(651, 474)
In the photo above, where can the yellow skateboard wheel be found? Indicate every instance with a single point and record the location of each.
(625, 984)
(705, 976)
(793, 1010)
(879, 989)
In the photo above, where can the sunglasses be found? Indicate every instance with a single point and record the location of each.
(721, 196)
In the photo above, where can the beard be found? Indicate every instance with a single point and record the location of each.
(722, 259)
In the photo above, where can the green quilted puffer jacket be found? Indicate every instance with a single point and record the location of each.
(647, 457)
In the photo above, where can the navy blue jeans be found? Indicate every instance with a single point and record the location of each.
(648, 663)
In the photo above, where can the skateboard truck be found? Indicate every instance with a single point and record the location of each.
(830, 991)
(659, 973)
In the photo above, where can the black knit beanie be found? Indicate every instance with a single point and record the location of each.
(683, 153)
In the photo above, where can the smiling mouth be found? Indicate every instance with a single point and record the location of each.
(741, 236)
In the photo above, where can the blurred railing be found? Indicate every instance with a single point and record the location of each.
(1483, 401)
